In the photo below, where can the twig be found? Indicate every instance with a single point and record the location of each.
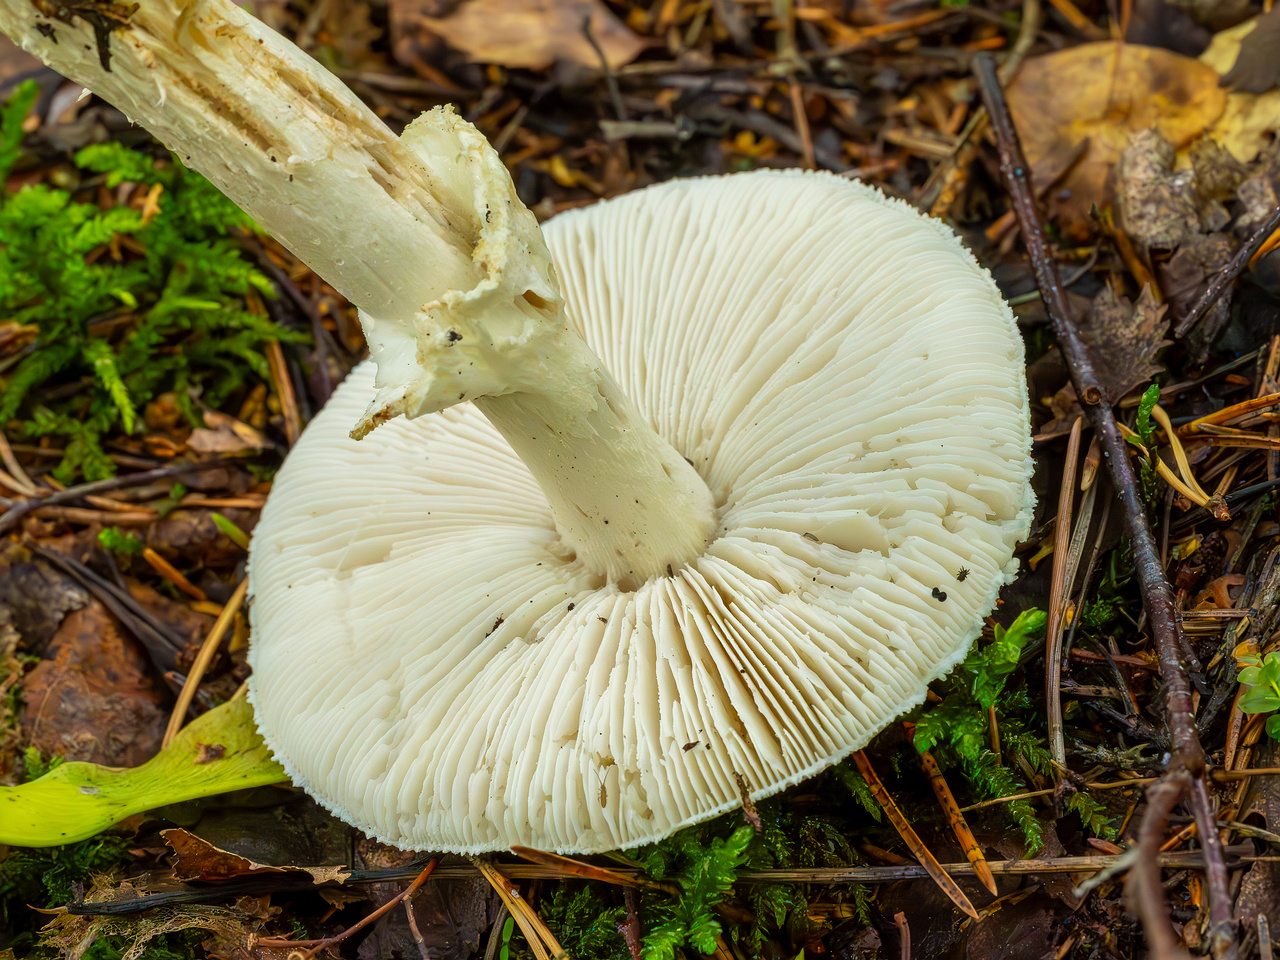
(909, 837)
(904, 934)
(1181, 860)
(284, 390)
(802, 123)
(23, 507)
(1188, 758)
(1143, 883)
(615, 95)
(1226, 275)
(1032, 16)
(202, 661)
(312, 947)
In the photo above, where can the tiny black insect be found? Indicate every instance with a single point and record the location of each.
(938, 594)
(964, 572)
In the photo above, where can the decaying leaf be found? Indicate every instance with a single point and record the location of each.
(72, 935)
(1102, 92)
(1257, 69)
(1124, 338)
(1249, 121)
(224, 434)
(1156, 204)
(1186, 274)
(76, 800)
(197, 859)
(527, 33)
(93, 698)
(38, 597)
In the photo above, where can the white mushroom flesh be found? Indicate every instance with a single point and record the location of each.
(849, 384)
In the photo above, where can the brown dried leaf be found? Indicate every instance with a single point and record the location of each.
(1124, 338)
(1102, 92)
(1186, 274)
(38, 597)
(225, 434)
(1157, 206)
(197, 859)
(527, 33)
(93, 698)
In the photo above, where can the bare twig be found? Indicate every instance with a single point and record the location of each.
(1188, 758)
(1227, 275)
(904, 934)
(23, 507)
(615, 95)
(309, 948)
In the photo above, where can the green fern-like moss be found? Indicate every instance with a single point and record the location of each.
(173, 284)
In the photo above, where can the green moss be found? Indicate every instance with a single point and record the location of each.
(134, 303)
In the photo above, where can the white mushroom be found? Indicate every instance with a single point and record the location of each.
(435, 664)
(722, 511)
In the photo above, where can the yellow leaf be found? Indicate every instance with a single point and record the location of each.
(77, 800)
(1077, 107)
(1250, 120)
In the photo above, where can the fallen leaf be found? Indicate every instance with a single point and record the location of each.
(1186, 274)
(1257, 69)
(197, 859)
(1156, 205)
(1102, 92)
(1158, 23)
(38, 597)
(93, 697)
(1249, 121)
(529, 33)
(76, 800)
(191, 536)
(1124, 338)
(225, 434)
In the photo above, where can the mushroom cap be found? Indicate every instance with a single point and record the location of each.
(433, 668)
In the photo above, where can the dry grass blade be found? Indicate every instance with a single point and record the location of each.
(284, 390)
(909, 837)
(1179, 454)
(576, 868)
(171, 573)
(968, 843)
(202, 661)
(1233, 412)
(1058, 598)
(541, 940)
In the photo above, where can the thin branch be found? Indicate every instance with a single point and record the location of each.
(1227, 275)
(23, 507)
(1158, 598)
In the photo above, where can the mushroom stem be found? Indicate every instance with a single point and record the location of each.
(424, 233)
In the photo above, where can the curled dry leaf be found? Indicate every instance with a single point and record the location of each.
(1103, 92)
(526, 33)
(197, 859)
(1249, 121)
(224, 434)
(1124, 338)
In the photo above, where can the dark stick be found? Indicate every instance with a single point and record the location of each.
(1142, 886)
(23, 507)
(1227, 275)
(615, 95)
(284, 883)
(1158, 598)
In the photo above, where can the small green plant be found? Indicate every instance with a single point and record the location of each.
(957, 729)
(115, 539)
(584, 923)
(705, 873)
(1144, 429)
(1262, 676)
(136, 302)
